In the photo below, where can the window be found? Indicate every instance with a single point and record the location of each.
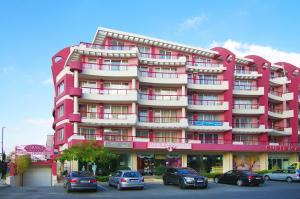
(120, 134)
(165, 136)
(207, 99)
(201, 61)
(60, 111)
(165, 93)
(61, 134)
(89, 87)
(243, 104)
(143, 115)
(208, 117)
(115, 112)
(243, 85)
(88, 111)
(60, 88)
(88, 133)
(144, 51)
(163, 54)
(164, 116)
(165, 72)
(113, 88)
(142, 133)
(208, 138)
(246, 122)
(116, 45)
(91, 64)
(115, 65)
(246, 139)
(206, 79)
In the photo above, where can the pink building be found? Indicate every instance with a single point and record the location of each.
(156, 102)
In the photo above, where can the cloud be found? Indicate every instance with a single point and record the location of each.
(41, 122)
(267, 52)
(48, 81)
(191, 23)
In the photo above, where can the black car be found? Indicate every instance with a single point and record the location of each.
(78, 180)
(184, 177)
(239, 178)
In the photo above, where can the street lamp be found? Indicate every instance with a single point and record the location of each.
(3, 127)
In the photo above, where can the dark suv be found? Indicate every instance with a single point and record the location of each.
(184, 177)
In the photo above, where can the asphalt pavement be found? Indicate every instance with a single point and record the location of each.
(274, 190)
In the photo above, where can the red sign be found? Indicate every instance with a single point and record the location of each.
(283, 148)
(35, 148)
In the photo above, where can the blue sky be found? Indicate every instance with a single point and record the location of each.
(33, 31)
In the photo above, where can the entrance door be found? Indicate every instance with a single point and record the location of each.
(37, 176)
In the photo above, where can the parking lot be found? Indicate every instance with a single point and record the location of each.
(272, 190)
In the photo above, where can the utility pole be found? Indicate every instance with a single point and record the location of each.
(3, 127)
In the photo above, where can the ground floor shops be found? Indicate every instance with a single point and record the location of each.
(204, 161)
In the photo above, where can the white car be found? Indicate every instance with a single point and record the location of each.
(284, 175)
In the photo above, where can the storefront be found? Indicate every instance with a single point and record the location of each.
(206, 163)
(279, 161)
(246, 162)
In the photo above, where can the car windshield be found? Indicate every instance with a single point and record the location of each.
(131, 175)
(82, 174)
(187, 171)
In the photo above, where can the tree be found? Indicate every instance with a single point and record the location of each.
(22, 163)
(89, 152)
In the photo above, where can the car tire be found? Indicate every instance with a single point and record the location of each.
(165, 181)
(266, 178)
(216, 180)
(239, 182)
(289, 179)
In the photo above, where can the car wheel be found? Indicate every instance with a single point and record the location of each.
(289, 179)
(267, 178)
(216, 180)
(119, 187)
(239, 182)
(165, 181)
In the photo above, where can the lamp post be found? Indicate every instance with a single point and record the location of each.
(3, 127)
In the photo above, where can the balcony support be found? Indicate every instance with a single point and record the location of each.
(183, 136)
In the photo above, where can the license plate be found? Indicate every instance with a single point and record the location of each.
(258, 178)
(85, 181)
(200, 181)
(134, 180)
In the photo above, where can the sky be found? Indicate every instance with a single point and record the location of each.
(31, 32)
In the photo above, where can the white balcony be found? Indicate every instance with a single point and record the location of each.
(250, 128)
(162, 78)
(108, 95)
(280, 131)
(218, 85)
(163, 123)
(281, 97)
(162, 100)
(208, 126)
(205, 67)
(158, 59)
(108, 71)
(240, 74)
(210, 106)
(248, 91)
(277, 81)
(109, 119)
(248, 109)
(84, 137)
(281, 114)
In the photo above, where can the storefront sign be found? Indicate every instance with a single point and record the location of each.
(169, 146)
(35, 148)
(208, 123)
(283, 148)
(125, 145)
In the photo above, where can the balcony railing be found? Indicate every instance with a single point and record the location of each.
(159, 56)
(106, 91)
(205, 81)
(106, 67)
(205, 64)
(206, 102)
(277, 93)
(246, 106)
(163, 75)
(276, 110)
(146, 96)
(206, 122)
(160, 119)
(245, 87)
(98, 115)
(245, 71)
(107, 47)
(246, 125)
(273, 76)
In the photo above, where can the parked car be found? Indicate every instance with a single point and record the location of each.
(239, 178)
(286, 175)
(78, 180)
(184, 177)
(126, 179)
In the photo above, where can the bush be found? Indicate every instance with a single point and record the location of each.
(209, 175)
(160, 170)
(102, 178)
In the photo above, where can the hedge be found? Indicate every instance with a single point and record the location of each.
(102, 178)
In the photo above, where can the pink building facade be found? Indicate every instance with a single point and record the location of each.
(156, 102)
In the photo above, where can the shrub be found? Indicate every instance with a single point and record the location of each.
(102, 178)
(160, 170)
(209, 175)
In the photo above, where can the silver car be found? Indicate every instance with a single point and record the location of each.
(126, 179)
(284, 175)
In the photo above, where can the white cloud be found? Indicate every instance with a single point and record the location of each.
(271, 54)
(47, 81)
(191, 23)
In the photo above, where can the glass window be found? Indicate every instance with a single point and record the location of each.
(89, 87)
(164, 54)
(142, 133)
(120, 134)
(60, 88)
(116, 45)
(88, 133)
(61, 134)
(60, 111)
